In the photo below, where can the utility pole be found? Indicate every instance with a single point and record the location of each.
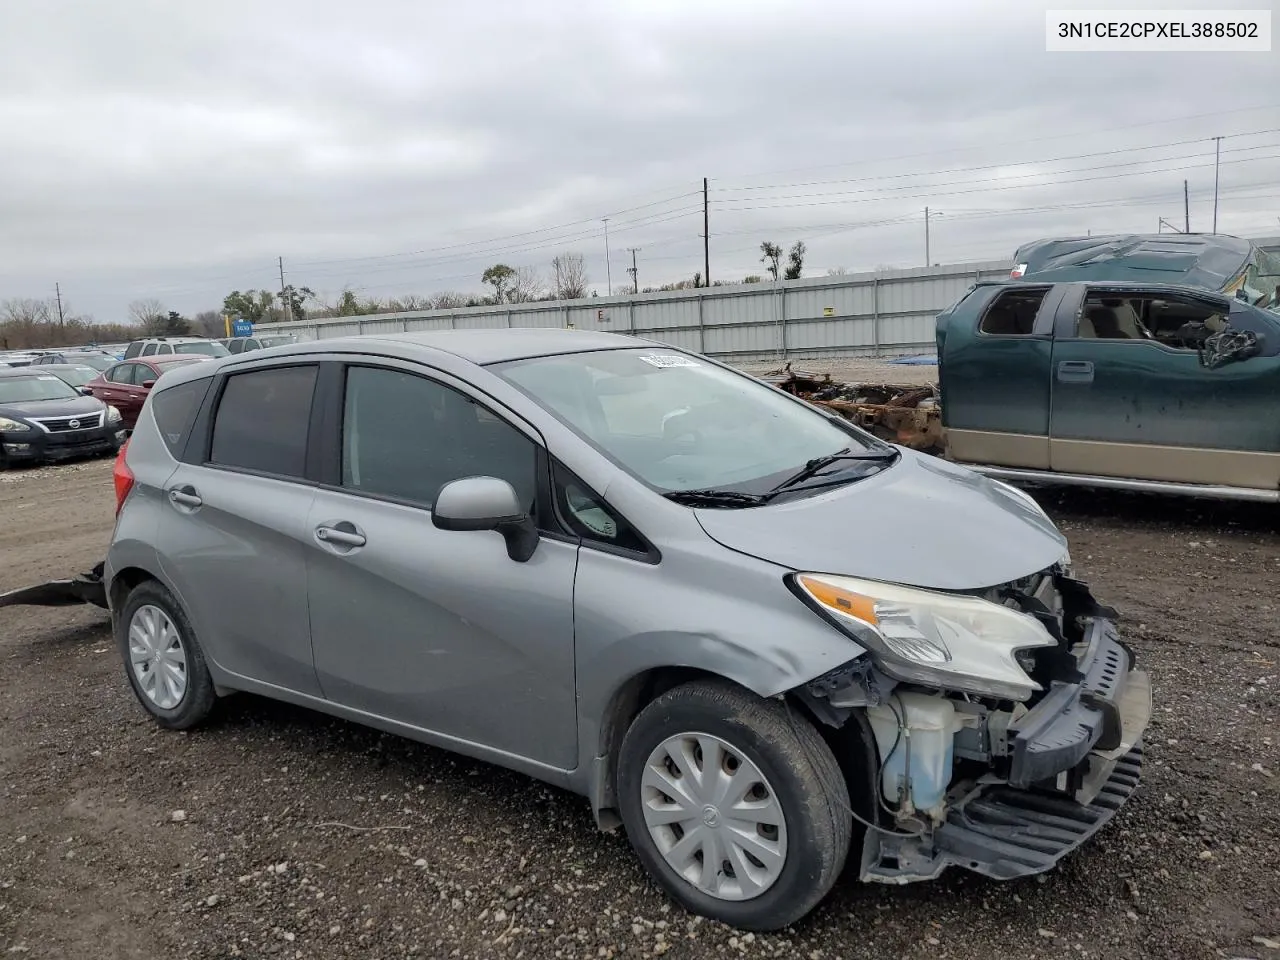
(1186, 209)
(706, 237)
(284, 301)
(608, 266)
(1217, 150)
(57, 289)
(926, 237)
(635, 273)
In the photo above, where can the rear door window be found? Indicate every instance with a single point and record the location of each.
(262, 419)
(175, 411)
(148, 350)
(122, 373)
(1013, 312)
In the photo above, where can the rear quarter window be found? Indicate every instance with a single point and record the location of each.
(175, 409)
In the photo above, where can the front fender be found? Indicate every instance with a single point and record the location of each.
(704, 610)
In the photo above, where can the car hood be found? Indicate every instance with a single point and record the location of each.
(51, 408)
(922, 522)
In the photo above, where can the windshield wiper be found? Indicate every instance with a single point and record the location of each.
(819, 463)
(715, 498)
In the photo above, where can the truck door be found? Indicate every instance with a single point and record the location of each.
(994, 372)
(1131, 397)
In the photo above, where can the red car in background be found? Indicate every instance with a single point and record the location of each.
(126, 385)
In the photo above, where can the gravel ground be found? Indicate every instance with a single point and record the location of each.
(277, 832)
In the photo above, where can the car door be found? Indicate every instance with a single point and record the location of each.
(995, 378)
(130, 396)
(234, 538)
(115, 381)
(436, 629)
(1131, 397)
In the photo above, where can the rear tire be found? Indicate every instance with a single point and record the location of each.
(163, 659)
(682, 770)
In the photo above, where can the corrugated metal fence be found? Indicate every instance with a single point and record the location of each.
(886, 313)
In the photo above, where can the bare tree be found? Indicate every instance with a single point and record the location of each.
(412, 301)
(771, 258)
(148, 312)
(209, 323)
(837, 272)
(25, 311)
(451, 300)
(569, 276)
(527, 285)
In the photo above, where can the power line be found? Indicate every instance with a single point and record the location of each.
(510, 236)
(954, 193)
(1024, 163)
(1018, 142)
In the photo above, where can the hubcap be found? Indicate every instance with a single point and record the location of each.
(158, 658)
(714, 816)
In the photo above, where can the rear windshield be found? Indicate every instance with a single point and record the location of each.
(25, 389)
(277, 341)
(207, 348)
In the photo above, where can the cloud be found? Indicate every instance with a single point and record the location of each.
(175, 150)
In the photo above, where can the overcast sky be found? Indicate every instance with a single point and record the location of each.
(165, 149)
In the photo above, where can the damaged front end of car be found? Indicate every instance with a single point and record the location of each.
(999, 761)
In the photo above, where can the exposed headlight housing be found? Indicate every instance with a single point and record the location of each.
(13, 426)
(113, 415)
(943, 640)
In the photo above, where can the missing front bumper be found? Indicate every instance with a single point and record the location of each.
(86, 588)
(1002, 832)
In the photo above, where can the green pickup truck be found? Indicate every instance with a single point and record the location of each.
(1113, 383)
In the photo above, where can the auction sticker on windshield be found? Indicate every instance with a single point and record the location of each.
(668, 360)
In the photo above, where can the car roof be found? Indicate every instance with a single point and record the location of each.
(481, 346)
(42, 370)
(1206, 261)
(59, 366)
(165, 359)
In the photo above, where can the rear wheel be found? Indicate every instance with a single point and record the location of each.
(163, 659)
(734, 804)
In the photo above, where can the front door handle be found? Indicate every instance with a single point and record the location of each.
(342, 534)
(185, 497)
(1075, 371)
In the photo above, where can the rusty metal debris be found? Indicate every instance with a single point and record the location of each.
(909, 415)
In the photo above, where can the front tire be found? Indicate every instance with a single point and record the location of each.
(162, 658)
(734, 804)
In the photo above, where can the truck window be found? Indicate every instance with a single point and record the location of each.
(1013, 312)
(1161, 318)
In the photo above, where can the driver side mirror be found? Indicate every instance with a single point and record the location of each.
(148, 384)
(85, 392)
(487, 503)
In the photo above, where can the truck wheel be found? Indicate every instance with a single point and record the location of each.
(734, 804)
(163, 659)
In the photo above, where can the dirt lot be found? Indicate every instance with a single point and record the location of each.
(276, 832)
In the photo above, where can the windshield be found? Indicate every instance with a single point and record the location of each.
(277, 341)
(25, 389)
(1262, 281)
(208, 348)
(77, 376)
(679, 423)
(97, 361)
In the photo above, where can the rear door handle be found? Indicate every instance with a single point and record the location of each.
(185, 497)
(343, 534)
(1075, 371)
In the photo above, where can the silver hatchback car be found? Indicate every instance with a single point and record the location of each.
(749, 632)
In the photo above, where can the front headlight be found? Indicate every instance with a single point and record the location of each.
(937, 639)
(113, 415)
(13, 426)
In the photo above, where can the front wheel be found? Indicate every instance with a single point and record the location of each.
(734, 804)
